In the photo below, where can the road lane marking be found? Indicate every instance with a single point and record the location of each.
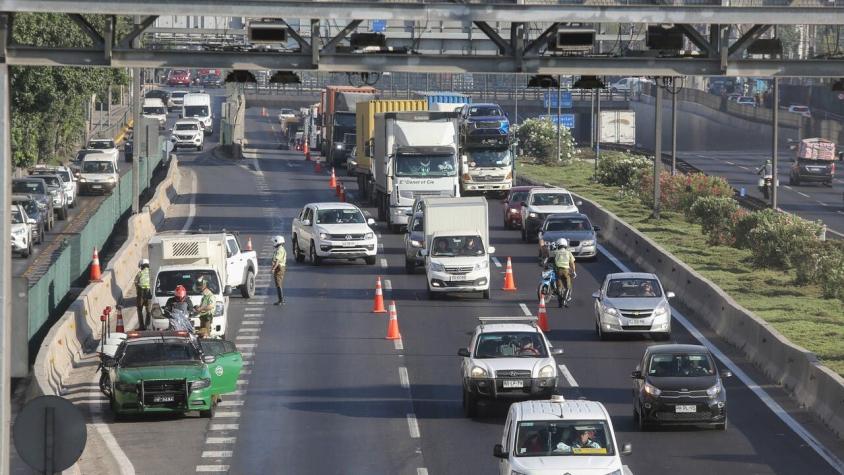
(216, 454)
(212, 468)
(404, 378)
(383, 263)
(124, 465)
(567, 374)
(388, 285)
(246, 337)
(763, 395)
(247, 330)
(413, 426)
(525, 310)
(192, 203)
(220, 440)
(729, 162)
(226, 414)
(253, 322)
(398, 344)
(230, 403)
(744, 167)
(223, 426)
(804, 195)
(242, 382)
(786, 187)
(247, 354)
(247, 345)
(496, 262)
(421, 471)
(246, 371)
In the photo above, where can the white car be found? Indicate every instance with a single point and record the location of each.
(632, 302)
(746, 101)
(21, 231)
(631, 84)
(106, 146)
(187, 133)
(154, 108)
(508, 358)
(286, 114)
(540, 203)
(558, 437)
(177, 99)
(333, 231)
(68, 180)
(802, 110)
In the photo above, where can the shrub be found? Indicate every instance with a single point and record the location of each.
(717, 216)
(622, 169)
(538, 141)
(744, 224)
(822, 262)
(778, 239)
(679, 192)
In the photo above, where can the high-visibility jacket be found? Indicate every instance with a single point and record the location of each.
(280, 257)
(142, 278)
(563, 258)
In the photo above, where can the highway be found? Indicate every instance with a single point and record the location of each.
(325, 393)
(736, 153)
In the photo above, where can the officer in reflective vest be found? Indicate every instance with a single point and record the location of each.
(279, 267)
(206, 307)
(143, 295)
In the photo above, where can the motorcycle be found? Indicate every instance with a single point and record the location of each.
(765, 185)
(548, 283)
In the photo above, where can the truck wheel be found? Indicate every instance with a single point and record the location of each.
(382, 213)
(247, 290)
(370, 260)
(315, 259)
(297, 253)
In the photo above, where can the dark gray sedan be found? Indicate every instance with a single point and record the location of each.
(574, 227)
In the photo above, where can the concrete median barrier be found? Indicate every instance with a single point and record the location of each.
(811, 384)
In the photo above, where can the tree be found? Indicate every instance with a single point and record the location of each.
(538, 141)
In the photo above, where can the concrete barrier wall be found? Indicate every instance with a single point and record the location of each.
(811, 384)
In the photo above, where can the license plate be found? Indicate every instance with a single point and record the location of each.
(348, 244)
(164, 398)
(453, 278)
(516, 383)
(691, 408)
(96, 187)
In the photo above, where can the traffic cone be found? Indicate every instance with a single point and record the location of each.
(509, 283)
(96, 275)
(393, 325)
(332, 183)
(249, 243)
(337, 189)
(118, 327)
(317, 167)
(307, 152)
(378, 306)
(543, 316)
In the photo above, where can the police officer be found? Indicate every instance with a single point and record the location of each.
(144, 296)
(205, 309)
(279, 266)
(565, 268)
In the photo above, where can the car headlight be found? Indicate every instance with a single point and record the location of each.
(651, 390)
(662, 311)
(514, 210)
(126, 387)
(714, 390)
(484, 264)
(532, 215)
(546, 372)
(19, 232)
(111, 179)
(478, 372)
(611, 311)
(218, 309)
(415, 243)
(587, 243)
(323, 236)
(369, 235)
(339, 146)
(437, 267)
(200, 384)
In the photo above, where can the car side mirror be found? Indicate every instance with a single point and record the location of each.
(463, 352)
(669, 295)
(491, 250)
(306, 222)
(636, 374)
(498, 451)
(596, 295)
(578, 203)
(627, 449)
(524, 204)
(209, 359)
(370, 222)
(557, 351)
(596, 228)
(423, 252)
(725, 373)
(31, 221)
(227, 290)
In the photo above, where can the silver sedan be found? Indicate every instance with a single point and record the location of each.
(632, 302)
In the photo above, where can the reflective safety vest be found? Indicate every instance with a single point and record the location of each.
(207, 300)
(142, 279)
(280, 257)
(563, 258)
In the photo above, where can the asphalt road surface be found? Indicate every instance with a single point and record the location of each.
(325, 393)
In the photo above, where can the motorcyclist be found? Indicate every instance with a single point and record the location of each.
(179, 300)
(566, 269)
(766, 170)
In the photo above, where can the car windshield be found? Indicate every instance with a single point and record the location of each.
(484, 111)
(167, 281)
(16, 217)
(417, 225)
(345, 120)
(451, 246)
(156, 353)
(489, 158)
(154, 110)
(519, 196)
(681, 365)
(82, 153)
(633, 288)
(510, 345)
(64, 174)
(563, 438)
(425, 165)
(193, 127)
(196, 111)
(97, 167)
(568, 224)
(178, 94)
(286, 112)
(52, 181)
(35, 187)
(101, 144)
(551, 199)
(156, 94)
(339, 216)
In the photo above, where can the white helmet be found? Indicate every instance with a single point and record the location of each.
(562, 242)
(143, 262)
(278, 241)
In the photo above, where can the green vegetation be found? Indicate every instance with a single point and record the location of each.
(48, 103)
(538, 141)
(800, 312)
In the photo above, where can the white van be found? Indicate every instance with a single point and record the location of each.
(154, 108)
(198, 106)
(99, 174)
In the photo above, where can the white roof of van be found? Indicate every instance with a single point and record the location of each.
(98, 157)
(550, 410)
(153, 102)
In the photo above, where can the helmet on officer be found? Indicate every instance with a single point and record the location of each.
(143, 262)
(562, 243)
(278, 241)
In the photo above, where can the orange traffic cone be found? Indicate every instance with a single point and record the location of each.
(332, 183)
(118, 327)
(543, 316)
(96, 275)
(307, 152)
(249, 243)
(509, 283)
(378, 306)
(393, 325)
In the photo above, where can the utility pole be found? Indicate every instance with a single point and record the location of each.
(135, 103)
(775, 176)
(559, 112)
(5, 258)
(597, 129)
(674, 132)
(657, 147)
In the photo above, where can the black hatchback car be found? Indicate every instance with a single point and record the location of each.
(679, 385)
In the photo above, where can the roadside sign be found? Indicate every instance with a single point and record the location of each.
(50, 434)
(566, 120)
(549, 99)
(378, 26)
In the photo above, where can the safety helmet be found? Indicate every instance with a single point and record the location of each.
(767, 162)
(278, 241)
(143, 262)
(201, 282)
(181, 292)
(562, 242)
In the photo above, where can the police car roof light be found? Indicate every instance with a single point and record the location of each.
(525, 319)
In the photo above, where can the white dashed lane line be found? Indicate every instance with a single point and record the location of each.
(398, 344)
(216, 454)
(567, 375)
(388, 285)
(383, 263)
(221, 440)
(404, 378)
(223, 426)
(212, 468)
(804, 195)
(413, 426)
(525, 310)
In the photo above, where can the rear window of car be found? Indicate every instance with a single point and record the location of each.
(28, 187)
(518, 196)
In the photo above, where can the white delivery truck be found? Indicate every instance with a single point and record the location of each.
(456, 249)
(414, 154)
(198, 106)
(486, 170)
(181, 259)
(154, 108)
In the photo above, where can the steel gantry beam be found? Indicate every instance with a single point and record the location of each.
(608, 11)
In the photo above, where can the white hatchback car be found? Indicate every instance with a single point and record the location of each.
(333, 231)
(559, 437)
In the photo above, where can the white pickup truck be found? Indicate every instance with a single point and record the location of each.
(106, 146)
(333, 231)
(182, 258)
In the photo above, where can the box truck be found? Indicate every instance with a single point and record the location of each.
(338, 118)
